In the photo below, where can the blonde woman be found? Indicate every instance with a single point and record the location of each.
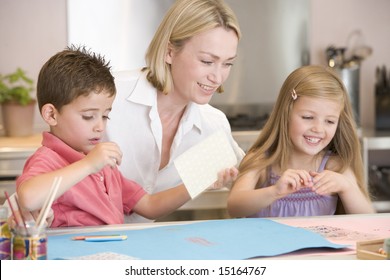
(307, 158)
(162, 110)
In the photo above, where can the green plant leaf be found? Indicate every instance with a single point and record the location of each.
(16, 87)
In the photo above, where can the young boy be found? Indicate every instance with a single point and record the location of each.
(75, 93)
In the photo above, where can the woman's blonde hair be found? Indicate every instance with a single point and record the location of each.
(274, 145)
(184, 19)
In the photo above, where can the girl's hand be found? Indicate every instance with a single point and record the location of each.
(345, 185)
(226, 178)
(293, 180)
(103, 154)
(328, 182)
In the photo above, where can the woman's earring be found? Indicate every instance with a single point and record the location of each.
(294, 94)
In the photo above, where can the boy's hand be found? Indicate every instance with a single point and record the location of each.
(107, 153)
(28, 217)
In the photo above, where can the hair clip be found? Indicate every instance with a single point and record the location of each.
(294, 94)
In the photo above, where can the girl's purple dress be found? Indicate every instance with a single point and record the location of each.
(304, 202)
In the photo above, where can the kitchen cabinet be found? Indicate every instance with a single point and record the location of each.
(13, 153)
(376, 151)
(245, 139)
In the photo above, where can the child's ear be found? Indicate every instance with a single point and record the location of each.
(49, 114)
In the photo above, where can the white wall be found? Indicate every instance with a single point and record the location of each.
(118, 29)
(33, 30)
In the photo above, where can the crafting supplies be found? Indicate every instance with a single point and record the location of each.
(29, 244)
(5, 235)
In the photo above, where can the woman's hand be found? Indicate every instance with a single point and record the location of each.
(226, 178)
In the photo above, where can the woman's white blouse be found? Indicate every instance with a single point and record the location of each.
(136, 127)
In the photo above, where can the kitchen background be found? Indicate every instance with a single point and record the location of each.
(278, 36)
(33, 30)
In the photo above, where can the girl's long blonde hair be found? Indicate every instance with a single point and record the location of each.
(274, 145)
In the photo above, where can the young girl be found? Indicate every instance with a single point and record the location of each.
(307, 158)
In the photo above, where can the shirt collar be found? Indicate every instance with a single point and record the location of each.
(142, 92)
(57, 145)
(191, 117)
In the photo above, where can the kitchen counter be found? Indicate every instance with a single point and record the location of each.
(22, 147)
(245, 138)
(32, 141)
(14, 151)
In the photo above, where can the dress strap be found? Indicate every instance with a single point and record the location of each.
(324, 160)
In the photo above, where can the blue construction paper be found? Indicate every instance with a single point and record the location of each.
(228, 239)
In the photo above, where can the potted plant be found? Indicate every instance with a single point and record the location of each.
(17, 105)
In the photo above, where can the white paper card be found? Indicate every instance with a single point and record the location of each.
(198, 167)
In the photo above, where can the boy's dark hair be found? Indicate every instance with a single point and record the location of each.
(71, 73)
